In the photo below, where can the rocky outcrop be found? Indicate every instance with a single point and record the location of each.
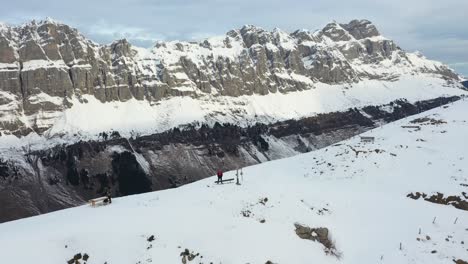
(318, 234)
(43, 65)
(459, 202)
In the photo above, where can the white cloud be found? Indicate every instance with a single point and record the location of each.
(109, 32)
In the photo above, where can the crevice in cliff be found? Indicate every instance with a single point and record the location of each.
(70, 74)
(21, 82)
(34, 161)
(131, 176)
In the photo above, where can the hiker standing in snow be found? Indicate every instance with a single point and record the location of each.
(220, 176)
(108, 194)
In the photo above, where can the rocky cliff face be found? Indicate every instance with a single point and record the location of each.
(46, 67)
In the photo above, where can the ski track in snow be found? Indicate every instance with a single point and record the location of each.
(368, 213)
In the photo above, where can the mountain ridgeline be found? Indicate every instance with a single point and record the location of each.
(47, 67)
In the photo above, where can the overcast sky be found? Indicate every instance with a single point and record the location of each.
(437, 28)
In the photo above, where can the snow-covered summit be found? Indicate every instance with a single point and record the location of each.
(44, 21)
(3, 26)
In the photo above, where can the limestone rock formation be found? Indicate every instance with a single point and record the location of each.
(45, 64)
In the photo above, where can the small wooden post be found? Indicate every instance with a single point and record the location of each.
(419, 230)
(455, 221)
(400, 246)
(237, 177)
(433, 221)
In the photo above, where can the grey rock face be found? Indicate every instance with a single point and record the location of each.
(360, 29)
(7, 53)
(43, 64)
(336, 33)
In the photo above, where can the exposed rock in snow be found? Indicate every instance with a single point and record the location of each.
(319, 234)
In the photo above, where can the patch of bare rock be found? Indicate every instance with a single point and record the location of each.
(319, 234)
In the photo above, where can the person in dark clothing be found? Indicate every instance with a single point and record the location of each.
(220, 176)
(109, 197)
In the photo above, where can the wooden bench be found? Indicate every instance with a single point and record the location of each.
(223, 181)
(99, 200)
(412, 127)
(368, 139)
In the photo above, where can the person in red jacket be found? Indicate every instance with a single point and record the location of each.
(220, 176)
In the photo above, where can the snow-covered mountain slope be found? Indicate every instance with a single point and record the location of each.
(54, 81)
(358, 191)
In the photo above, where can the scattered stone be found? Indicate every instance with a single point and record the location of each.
(322, 211)
(151, 238)
(434, 251)
(76, 259)
(188, 256)
(428, 121)
(262, 221)
(77, 256)
(246, 213)
(459, 261)
(264, 201)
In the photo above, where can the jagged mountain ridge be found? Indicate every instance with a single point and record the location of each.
(47, 67)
